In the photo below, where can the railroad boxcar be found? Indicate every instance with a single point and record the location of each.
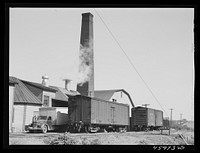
(93, 114)
(166, 124)
(143, 118)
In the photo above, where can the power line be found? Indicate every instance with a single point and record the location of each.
(130, 61)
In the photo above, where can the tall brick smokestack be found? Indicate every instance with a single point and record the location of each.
(86, 57)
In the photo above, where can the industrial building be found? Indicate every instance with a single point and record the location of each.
(115, 95)
(25, 97)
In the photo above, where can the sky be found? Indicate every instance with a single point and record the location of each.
(158, 41)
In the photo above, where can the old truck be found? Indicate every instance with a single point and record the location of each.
(49, 118)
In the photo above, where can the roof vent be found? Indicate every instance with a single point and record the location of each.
(45, 80)
(70, 85)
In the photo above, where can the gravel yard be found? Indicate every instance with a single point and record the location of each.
(128, 138)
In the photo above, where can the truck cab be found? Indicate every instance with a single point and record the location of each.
(41, 123)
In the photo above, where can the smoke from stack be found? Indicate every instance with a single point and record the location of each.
(85, 65)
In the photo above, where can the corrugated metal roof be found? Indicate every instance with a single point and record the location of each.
(38, 85)
(107, 94)
(62, 93)
(70, 93)
(22, 94)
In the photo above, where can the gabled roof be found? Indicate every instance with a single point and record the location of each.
(104, 94)
(22, 94)
(40, 86)
(107, 94)
(62, 93)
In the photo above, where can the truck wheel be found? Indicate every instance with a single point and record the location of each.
(44, 129)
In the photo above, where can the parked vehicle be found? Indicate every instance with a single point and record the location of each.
(143, 118)
(93, 114)
(50, 118)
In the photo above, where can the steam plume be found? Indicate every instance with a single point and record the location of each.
(85, 63)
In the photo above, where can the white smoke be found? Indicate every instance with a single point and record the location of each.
(85, 65)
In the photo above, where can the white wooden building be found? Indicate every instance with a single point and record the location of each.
(116, 95)
(28, 98)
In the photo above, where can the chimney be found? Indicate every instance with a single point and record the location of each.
(86, 40)
(70, 85)
(45, 80)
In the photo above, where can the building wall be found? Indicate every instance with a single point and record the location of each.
(30, 112)
(51, 96)
(11, 99)
(122, 98)
(23, 114)
(18, 118)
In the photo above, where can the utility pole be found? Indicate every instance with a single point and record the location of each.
(171, 118)
(145, 105)
(170, 125)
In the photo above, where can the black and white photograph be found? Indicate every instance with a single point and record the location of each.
(101, 76)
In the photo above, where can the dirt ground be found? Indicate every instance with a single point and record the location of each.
(127, 138)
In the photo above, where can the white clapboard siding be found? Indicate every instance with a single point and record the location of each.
(30, 113)
(18, 118)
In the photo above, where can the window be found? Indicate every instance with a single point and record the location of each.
(42, 118)
(46, 101)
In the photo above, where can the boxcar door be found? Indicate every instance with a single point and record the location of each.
(112, 115)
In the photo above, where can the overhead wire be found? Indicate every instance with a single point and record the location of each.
(130, 61)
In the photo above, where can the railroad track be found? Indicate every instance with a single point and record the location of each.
(92, 134)
(182, 137)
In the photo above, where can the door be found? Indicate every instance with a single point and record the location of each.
(112, 115)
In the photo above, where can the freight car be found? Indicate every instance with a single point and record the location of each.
(166, 124)
(143, 118)
(89, 114)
